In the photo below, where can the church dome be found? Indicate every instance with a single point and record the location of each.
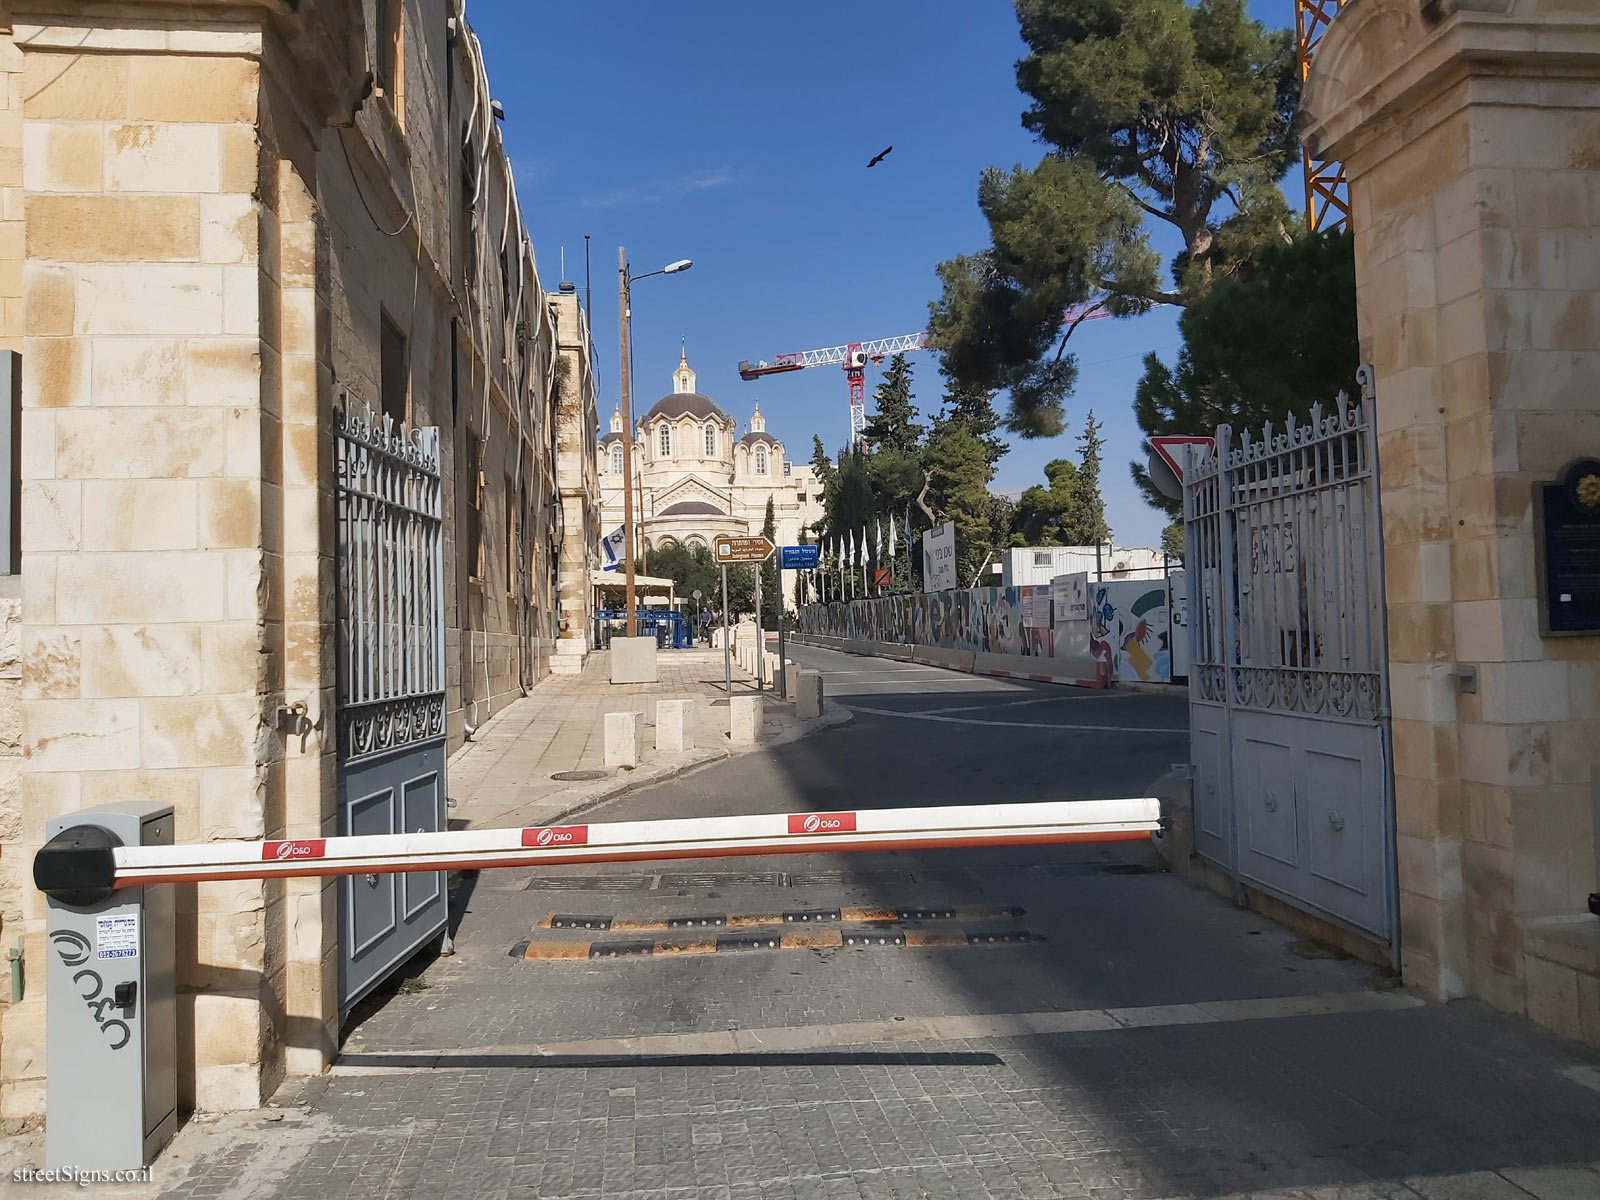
(684, 404)
(683, 400)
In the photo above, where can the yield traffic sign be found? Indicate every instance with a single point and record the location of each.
(1170, 448)
(757, 548)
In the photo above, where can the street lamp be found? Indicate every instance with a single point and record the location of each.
(626, 374)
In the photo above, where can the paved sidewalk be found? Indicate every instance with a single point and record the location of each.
(504, 777)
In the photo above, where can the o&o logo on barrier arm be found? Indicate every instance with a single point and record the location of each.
(834, 822)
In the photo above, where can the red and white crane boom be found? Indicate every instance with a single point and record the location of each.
(854, 357)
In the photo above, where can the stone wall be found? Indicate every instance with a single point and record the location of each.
(1472, 143)
(575, 469)
(218, 223)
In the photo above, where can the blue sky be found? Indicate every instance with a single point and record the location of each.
(737, 134)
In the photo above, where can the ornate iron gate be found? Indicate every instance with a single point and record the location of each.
(391, 682)
(1289, 713)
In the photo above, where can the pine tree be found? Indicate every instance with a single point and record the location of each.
(1069, 510)
(972, 408)
(893, 425)
(771, 597)
(959, 472)
(1169, 110)
(1172, 540)
(1091, 524)
(853, 503)
(1228, 373)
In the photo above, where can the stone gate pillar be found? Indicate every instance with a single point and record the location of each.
(1470, 133)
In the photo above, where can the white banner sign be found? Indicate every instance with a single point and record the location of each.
(939, 558)
(1071, 596)
(1036, 610)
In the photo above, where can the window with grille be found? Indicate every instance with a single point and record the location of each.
(761, 460)
(616, 459)
(711, 440)
(665, 440)
(1041, 558)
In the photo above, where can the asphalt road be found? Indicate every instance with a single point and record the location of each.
(925, 736)
(1031, 1022)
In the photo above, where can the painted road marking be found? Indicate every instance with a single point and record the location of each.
(908, 1029)
(878, 915)
(1583, 1076)
(808, 939)
(927, 716)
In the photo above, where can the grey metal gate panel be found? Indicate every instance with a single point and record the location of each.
(1211, 757)
(391, 732)
(1288, 688)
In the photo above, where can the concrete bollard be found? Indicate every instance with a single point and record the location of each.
(808, 695)
(674, 726)
(624, 739)
(745, 720)
(791, 678)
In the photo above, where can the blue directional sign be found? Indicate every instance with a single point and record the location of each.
(799, 558)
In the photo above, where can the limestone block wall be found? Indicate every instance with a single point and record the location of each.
(577, 427)
(147, 585)
(1472, 143)
(211, 229)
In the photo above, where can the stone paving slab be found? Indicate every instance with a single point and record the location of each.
(502, 778)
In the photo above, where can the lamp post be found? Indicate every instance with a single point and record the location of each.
(624, 280)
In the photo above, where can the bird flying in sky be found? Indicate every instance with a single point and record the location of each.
(880, 157)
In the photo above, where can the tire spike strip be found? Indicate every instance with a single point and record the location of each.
(811, 916)
(807, 939)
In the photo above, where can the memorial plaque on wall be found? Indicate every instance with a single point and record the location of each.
(1566, 532)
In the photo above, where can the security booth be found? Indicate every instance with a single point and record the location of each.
(111, 1029)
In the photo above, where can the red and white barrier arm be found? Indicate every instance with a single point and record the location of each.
(75, 866)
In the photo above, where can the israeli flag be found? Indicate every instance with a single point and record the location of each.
(611, 549)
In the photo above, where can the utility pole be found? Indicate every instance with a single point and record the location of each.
(627, 434)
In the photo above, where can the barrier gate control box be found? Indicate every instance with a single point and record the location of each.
(111, 1029)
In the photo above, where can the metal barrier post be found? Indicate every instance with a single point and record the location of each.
(111, 1080)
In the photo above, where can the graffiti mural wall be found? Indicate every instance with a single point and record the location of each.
(982, 620)
(1130, 629)
(1128, 626)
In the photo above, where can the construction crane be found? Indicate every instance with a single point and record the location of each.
(855, 356)
(1327, 207)
(1327, 197)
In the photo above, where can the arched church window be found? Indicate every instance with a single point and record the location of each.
(666, 440)
(761, 460)
(711, 440)
(616, 459)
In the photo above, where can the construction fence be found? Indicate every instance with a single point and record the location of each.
(1127, 634)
